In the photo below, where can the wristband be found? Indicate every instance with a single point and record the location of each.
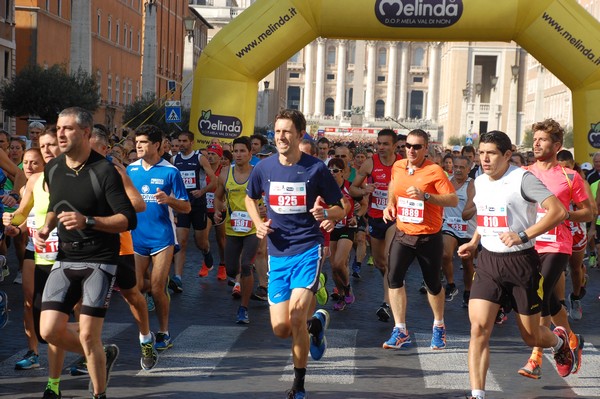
(523, 236)
(15, 196)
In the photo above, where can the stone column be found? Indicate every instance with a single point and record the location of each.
(370, 89)
(149, 59)
(390, 101)
(320, 77)
(434, 82)
(340, 85)
(307, 108)
(81, 36)
(403, 92)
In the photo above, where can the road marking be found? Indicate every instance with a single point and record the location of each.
(449, 368)
(338, 365)
(193, 354)
(585, 383)
(7, 367)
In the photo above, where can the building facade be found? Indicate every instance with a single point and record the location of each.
(7, 55)
(102, 38)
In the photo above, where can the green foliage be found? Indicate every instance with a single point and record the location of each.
(461, 140)
(527, 141)
(149, 110)
(43, 93)
(569, 138)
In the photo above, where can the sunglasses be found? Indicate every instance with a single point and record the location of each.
(417, 147)
(335, 170)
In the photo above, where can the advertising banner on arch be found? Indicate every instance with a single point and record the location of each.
(559, 33)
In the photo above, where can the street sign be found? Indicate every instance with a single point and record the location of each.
(171, 86)
(173, 111)
(469, 141)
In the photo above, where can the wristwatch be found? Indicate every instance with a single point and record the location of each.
(426, 196)
(90, 222)
(523, 236)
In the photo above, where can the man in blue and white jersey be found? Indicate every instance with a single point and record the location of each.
(163, 190)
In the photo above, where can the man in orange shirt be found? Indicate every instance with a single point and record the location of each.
(418, 192)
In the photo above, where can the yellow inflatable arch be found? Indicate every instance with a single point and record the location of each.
(559, 33)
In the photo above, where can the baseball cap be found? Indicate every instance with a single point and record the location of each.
(456, 148)
(267, 149)
(216, 148)
(586, 166)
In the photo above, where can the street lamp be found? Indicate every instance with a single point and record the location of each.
(515, 71)
(494, 81)
(266, 84)
(189, 24)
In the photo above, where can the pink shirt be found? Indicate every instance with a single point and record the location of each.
(567, 185)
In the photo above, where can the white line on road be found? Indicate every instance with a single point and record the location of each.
(197, 351)
(338, 365)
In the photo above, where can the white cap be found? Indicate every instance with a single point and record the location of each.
(456, 148)
(586, 166)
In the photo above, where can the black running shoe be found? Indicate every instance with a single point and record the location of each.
(49, 394)
(384, 313)
(112, 353)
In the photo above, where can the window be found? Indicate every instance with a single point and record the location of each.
(418, 79)
(379, 109)
(331, 55)
(98, 23)
(330, 76)
(47, 5)
(109, 90)
(59, 11)
(329, 106)
(125, 91)
(117, 32)
(382, 57)
(109, 25)
(130, 39)
(129, 91)
(125, 36)
(139, 42)
(295, 57)
(294, 75)
(7, 63)
(99, 82)
(117, 90)
(416, 104)
(418, 57)
(137, 89)
(381, 78)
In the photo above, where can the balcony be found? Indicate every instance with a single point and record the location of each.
(295, 66)
(418, 70)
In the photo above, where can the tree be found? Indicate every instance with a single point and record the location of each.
(43, 93)
(527, 140)
(149, 110)
(568, 139)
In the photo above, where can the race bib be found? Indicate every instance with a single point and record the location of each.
(410, 210)
(50, 251)
(492, 220)
(240, 222)
(458, 225)
(379, 199)
(287, 198)
(189, 179)
(549, 236)
(210, 201)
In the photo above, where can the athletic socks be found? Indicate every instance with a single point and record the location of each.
(53, 384)
(299, 375)
(208, 259)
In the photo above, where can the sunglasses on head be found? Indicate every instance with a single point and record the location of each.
(335, 170)
(415, 146)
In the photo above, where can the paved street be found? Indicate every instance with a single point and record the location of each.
(213, 357)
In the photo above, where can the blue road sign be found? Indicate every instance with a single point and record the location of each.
(173, 111)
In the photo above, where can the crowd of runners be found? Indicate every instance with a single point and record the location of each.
(88, 214)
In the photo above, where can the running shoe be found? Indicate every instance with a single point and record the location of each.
(532, 369)
(576, 310)
(423, 288)
(29, 361)
(49, 394)
(501, 317)
(576, 345)
(149, 354)
(79, 367)
(150, 302)
(204, 270)
(112, 353)
(230, 281)
(466, 296)
(260, 294)
(564, 356)
(242, 315)
(318, 341)
(355, 270)
(339, 305)
(438, 338)
(293, 394)
(4, 267)
(349, 297)
(236, 292)
(370, 261)
(399, 339)
(335, 294)
(322, 294)
(592, 261)
(3, 309)
(163, 342)
(451, 292)
(18, 279)
(384, 313)
(222, 273)
(175, 284)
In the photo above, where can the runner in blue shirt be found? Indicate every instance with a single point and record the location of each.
(301, 195)
(163, 190)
